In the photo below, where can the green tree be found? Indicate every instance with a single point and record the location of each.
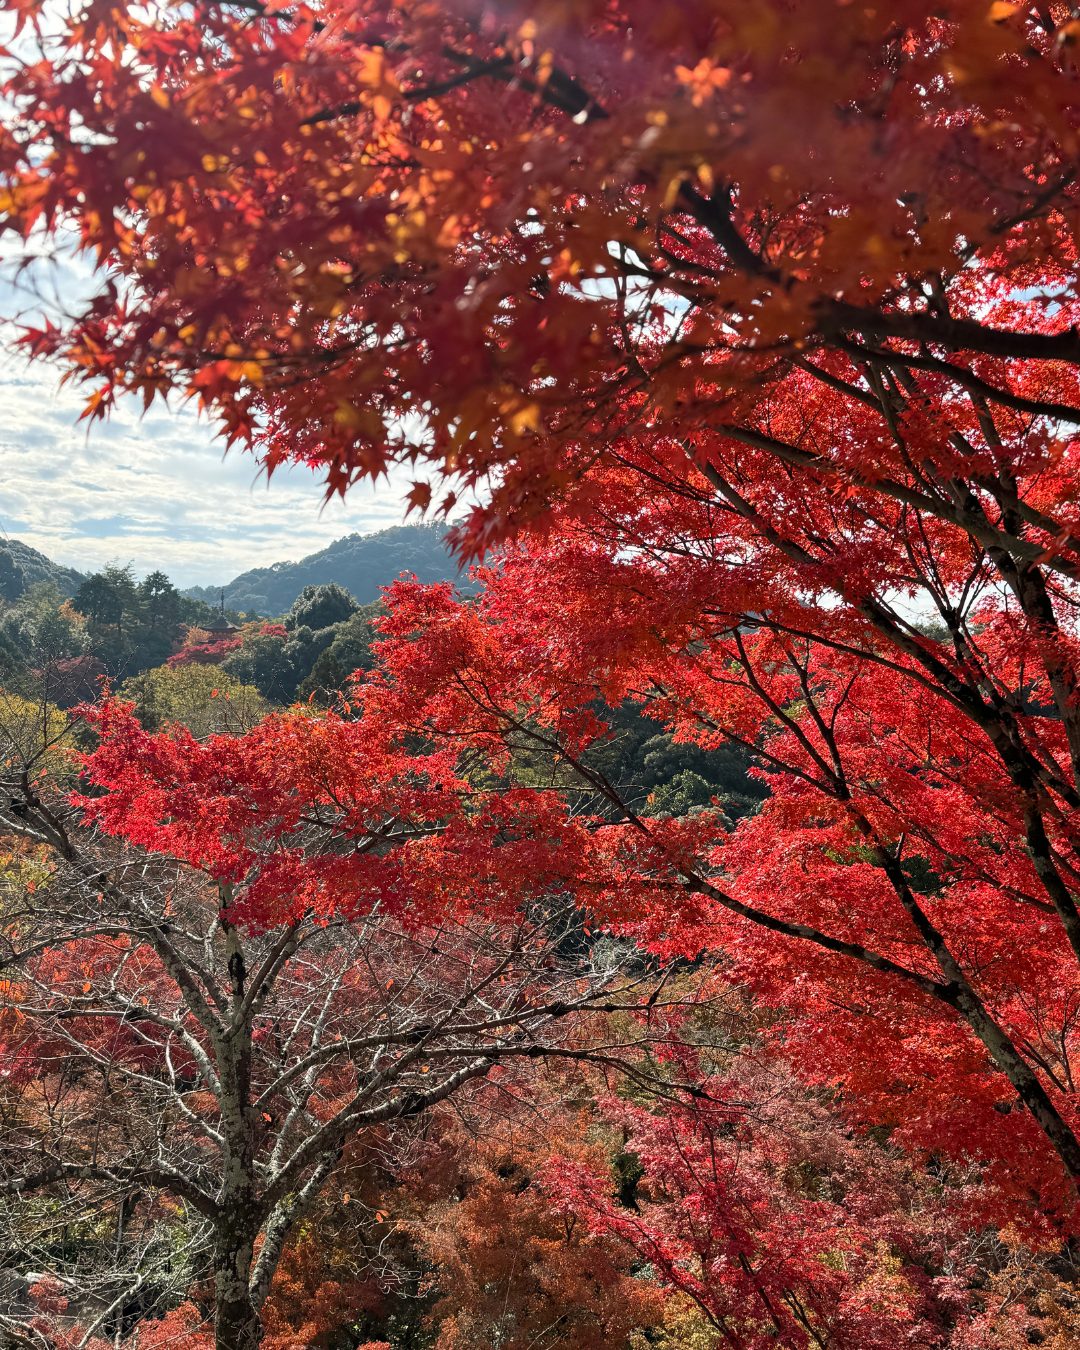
(38, 630)
(11, 578)
(319, 607)
(111, 604)
(160, 603)
(101, 597)
(348, 651)
(262, 662)
(132, 626)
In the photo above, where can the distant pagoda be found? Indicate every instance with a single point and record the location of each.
(219, 626)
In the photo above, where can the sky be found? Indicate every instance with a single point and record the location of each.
(155, 491)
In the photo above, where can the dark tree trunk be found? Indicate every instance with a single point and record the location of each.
(237, 1324)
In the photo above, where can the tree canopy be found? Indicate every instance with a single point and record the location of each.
(499, 241)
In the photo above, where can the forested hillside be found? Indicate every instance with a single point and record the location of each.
(22, 567)
(113, 627)
(360, 562)
(290, 630)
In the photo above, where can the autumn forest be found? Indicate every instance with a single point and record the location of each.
(665, 930)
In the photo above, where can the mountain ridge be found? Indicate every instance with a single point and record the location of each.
(362, 563)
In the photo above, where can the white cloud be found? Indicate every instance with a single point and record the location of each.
(153, 490)
(157, 491)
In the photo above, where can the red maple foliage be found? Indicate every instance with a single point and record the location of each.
(759, 325)
(887, 893)
(548, 225)
(757, 1209)
(238, 956)
(776, 1227)
(235, 807)
(203, 650)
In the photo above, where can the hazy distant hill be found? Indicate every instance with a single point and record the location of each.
(22, 567)
(359, 562)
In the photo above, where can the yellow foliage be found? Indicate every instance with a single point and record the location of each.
(204, 699)
(32, 736)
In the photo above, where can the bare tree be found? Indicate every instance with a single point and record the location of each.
(163, 1051)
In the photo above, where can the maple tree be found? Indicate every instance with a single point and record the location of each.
(759, 1210)
(752, 1216)
(893, 841)
(342, 1008)
(493, 238)
(506, 1266)
(777, 1227)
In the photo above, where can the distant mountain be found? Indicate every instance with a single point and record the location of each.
(22, 567)
(359, 562)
